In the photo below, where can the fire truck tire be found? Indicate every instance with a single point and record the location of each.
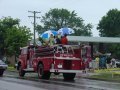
(1, 73)
(43, 74)
(56, 73)
(46, 75)
(21, 72)
(69, 76)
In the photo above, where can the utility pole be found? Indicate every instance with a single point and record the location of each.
(34, 16)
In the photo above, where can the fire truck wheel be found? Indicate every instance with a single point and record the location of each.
(21, 72)
(69, 76)
(43, 74)
(46, 75)
(56, 73)
(1, 73)
(40, 70)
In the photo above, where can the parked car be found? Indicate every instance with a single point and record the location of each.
(117, 63)
(3, 67)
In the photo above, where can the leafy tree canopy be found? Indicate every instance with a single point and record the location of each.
(12, 35)
(109, 25)
(58, 18)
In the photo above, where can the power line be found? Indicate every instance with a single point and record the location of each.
(34, 16)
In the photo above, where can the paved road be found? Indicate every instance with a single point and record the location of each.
(8, 85)
(31, 82)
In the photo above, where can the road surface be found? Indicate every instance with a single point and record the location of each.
(11, 81)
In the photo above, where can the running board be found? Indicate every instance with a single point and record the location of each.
(66, 71)
(29, 70)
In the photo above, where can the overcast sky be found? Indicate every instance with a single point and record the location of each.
(90, 11)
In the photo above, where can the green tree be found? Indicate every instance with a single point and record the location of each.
(109, 26)
(13, 35)
(58, 18)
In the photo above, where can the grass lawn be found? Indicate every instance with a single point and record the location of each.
(107, 70)
(107, 75)
(11, 68)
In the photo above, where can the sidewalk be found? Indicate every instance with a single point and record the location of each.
(112, 74)
(87, 74)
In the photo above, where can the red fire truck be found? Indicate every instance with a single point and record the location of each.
(66, 59)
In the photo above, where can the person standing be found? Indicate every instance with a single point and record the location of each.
(64, 40)
(108, 62)
(113, 63)
(59, 35)
(102, 62)
(97, 62)
(57, 40)
(51, 40)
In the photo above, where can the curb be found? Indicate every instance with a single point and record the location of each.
(12, 70)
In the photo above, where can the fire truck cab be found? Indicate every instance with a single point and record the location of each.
(66, 59)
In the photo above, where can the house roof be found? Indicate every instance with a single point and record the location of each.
(94, 39)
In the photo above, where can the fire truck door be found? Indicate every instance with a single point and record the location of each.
(31, 53)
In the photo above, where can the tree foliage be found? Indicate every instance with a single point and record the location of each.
(12, 35)
(114, 49)
(109, 25)
(58, 18)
